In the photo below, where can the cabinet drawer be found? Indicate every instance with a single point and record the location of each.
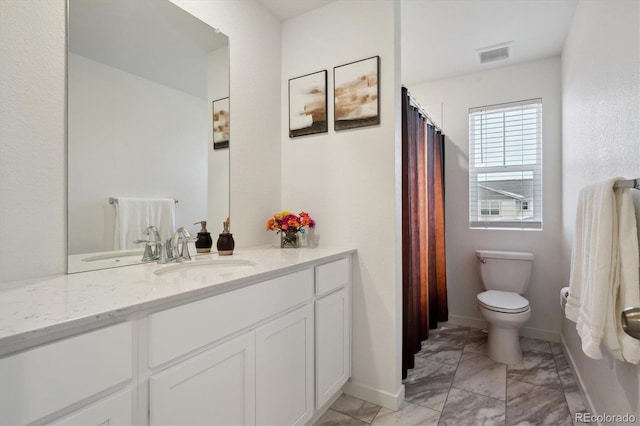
(332, 275)
(179, 330)
(113, 410)
(40, 381)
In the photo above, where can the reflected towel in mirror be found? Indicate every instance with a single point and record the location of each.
(134, 215)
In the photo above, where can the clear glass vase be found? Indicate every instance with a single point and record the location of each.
(289, 239)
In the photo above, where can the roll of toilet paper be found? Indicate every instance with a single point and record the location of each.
(564, 294)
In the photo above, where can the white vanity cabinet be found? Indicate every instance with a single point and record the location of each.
(270, 349)
(333, 328)
(263, 376)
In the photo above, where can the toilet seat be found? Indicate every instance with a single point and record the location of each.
(503, 301)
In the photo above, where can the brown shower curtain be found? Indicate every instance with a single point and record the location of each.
(424, 279)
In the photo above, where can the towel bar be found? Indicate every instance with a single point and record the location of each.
(113, 200)
(630, 183)
(630, 319)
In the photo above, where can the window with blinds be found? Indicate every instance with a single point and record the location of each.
(505, 165)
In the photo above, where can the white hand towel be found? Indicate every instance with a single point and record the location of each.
(134, 215)
(131, 220)
(592, 264)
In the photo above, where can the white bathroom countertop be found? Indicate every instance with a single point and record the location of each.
(36, 308)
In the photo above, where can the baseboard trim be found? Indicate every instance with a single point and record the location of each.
(375, 396)
(320, 412)
(581, 386)
(467, 321)
(534, 333)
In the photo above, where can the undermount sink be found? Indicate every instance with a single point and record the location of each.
(196, 268)
(118, 256)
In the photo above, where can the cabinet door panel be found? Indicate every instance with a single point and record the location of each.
(213, 388)
(284, 369)
(332, 344)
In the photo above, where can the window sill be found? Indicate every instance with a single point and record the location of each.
(507, 226)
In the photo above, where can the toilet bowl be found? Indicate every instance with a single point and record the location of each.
(503, 344)
(505, 276)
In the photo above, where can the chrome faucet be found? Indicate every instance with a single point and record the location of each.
(152, 247)
(156, 242)
(164, 252)
(175, 249)
(182, 235)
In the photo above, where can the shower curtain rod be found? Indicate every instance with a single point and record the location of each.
(422, 111)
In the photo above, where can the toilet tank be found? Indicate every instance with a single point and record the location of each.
(505, 270)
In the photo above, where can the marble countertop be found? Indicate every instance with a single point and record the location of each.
(35, 308)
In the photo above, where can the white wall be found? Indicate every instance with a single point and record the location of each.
(32, 138)
(601, 139)
(451, 99)
(254, 87)
(347, 180)
(32, 129)
(161, 153)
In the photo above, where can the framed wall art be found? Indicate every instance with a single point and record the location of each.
(221, 127)
(308, 104)
(356, 94)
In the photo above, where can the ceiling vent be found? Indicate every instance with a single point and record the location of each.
(494, 53)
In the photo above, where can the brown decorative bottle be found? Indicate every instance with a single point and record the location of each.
(225, 244)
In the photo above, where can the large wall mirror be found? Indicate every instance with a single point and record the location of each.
(143, 78)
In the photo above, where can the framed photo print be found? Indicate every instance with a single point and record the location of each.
(356, 94)
(308, 104)
(220, 110)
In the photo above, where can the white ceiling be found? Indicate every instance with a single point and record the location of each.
(285, 9)
(440, 37)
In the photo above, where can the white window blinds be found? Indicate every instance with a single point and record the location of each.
(505, 165)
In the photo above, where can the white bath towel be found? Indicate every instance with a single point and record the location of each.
(134, 215)
(602, 271)
(627, 292)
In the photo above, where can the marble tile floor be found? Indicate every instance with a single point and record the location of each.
(454, 383)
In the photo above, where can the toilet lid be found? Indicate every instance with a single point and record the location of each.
(503, 301)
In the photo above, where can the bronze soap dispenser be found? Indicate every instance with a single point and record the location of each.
(204, 241)
(225, 243)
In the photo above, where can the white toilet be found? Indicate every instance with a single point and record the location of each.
(505, 276)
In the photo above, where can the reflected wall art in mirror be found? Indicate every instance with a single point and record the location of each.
(142, 78)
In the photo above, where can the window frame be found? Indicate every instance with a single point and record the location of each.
(533, 220)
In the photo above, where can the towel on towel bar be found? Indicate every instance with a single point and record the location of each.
(134, 215)
(604, 271)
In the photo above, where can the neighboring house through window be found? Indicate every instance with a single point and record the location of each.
(490, 208)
